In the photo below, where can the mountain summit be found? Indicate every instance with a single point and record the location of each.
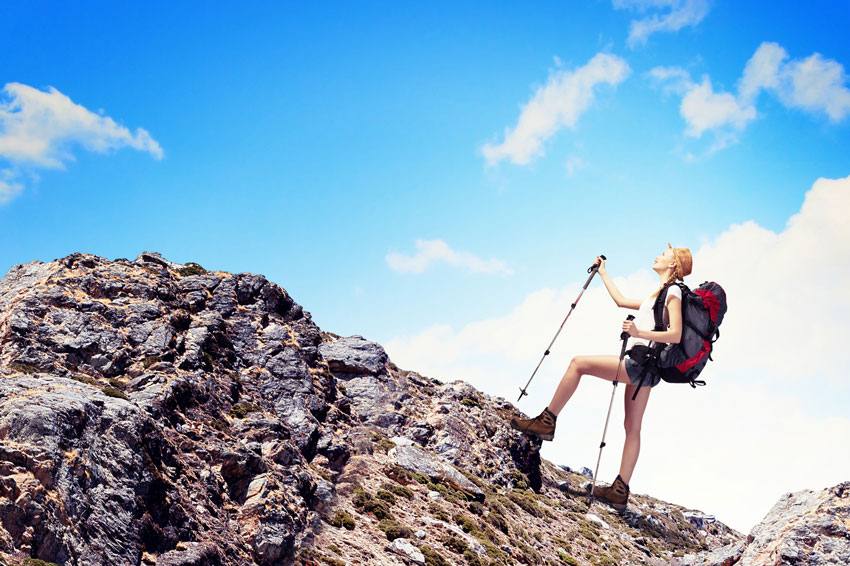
(159, 413)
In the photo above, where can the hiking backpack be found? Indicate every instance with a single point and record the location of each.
(702, 312)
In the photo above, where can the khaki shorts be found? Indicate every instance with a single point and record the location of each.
(650, 379)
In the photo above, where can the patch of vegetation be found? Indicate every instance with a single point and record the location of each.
(470, 402)
(83, 378)
(220, 424)
(111, 391)
(23, 367)
(393, 529)
(342, 519)
(472, 558)
(466, 523)
(432, 557)
(333, 561)
(438, 512)
(148, 361)
(191, 268)
(116, 383)
(476, 507)
(37, 562)
(386, 496)
(526, 502)
(399, 490)
(520, 480)
(365, 502)
(242, 408)
(454, 543)
(604, 560)
(335, 548)
(588, 532)
(566, 558)
(384, 444)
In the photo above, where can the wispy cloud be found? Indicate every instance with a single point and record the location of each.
(430, 252)
(678, 14)
(788, 404)
(813, 84)
(556, 105)
(41, 129)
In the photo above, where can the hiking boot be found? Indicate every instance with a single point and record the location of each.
(543, 425)
(616, 495)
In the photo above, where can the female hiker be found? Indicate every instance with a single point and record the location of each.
(672, 264)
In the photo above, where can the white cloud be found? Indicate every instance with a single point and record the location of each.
(39, 129)
(681, 13)
(813, 84)
(703, 109)
(773, 415)
(430, 252)
(556, 105)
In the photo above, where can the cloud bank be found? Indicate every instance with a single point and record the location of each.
(40, 129)
(773, 415)
(431, 252)
(813, 84)
(682, 13)
(557, 104)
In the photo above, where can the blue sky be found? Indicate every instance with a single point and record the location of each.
(306, 143)
(318, 144)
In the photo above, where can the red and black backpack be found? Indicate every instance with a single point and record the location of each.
(702, 312)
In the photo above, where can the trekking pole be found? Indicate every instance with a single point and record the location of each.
(592, 270)
(625, 337)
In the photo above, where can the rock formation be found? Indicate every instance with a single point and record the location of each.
(159, 413)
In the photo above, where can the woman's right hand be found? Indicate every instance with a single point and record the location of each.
(601, 263)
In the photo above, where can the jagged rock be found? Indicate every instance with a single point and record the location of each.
(191, 554)
(405, 548)
(354, 355)
(804, 527)
(415, 459)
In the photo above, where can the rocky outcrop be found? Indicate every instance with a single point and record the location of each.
(804, 527)
(160, 413)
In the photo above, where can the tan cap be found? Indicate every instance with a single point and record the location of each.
(683, 259)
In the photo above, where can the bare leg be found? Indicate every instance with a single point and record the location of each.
(634, 416)
(600, 366)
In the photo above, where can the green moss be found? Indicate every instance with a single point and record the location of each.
(365, 502)
(466, 523)
(242, 408)
(111, 391)
(566, 558)
(604, 560)
(421, 478)
(476, 508)
(399, 490)
(526, 502)
(498, 521)
(220, 424)
(393, 529)
(83, 378)
(386, 496)
(472, 558)
(432, 557)
(520, 480)
(454, 543)
(342, 519)
(588, 532)
(438, 512)
(191, 268)
(470, 402)
(23, 367)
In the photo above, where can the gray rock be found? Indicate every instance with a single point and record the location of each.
(354, 355)
(405, 548)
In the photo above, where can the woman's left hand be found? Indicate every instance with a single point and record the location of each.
(630, 328)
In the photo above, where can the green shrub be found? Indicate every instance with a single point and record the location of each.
(432, 557)
(242, 408)
(342, 519)
(191, 268)
(393, 529)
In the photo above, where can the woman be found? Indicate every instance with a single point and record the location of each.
(672, 264)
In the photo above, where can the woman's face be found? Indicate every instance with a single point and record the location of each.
(664, 260)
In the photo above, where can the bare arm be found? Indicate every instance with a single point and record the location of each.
(615, 293)
(673, 334)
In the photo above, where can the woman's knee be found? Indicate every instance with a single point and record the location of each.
(632, 428)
